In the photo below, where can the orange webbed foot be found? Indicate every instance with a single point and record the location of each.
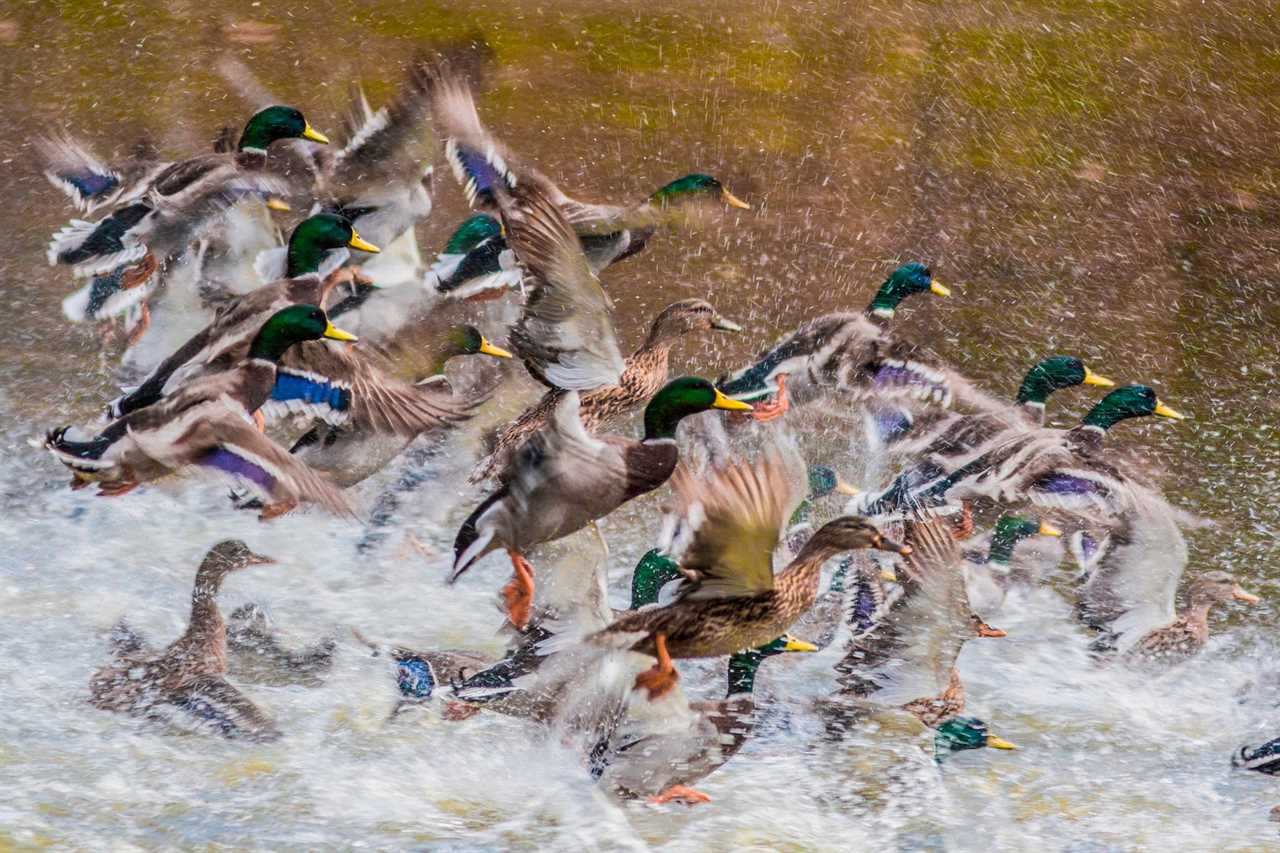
(662, 677)
(680, 794)
(962, 527)
(260, 420)
(764, 412)
(115, 490)
(518, 593)
(456, 712)
(140, 328)
(277, 509)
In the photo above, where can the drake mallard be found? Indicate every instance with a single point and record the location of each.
(316, 248)
(476, 261)
(1054, 468)
(349, 455)
(730, 523)
(189, 677)
(644, 372)
(659, 752)
(564, 479)
(907, 658)
(484, 168)
(853, 355)
(179, 200)
(208, 424)
(992, 571)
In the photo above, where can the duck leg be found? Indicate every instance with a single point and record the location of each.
(259, 420)
(764, 412)
(518, 593)
(663, 676)
(115, 490)
(140, 328)
(680, 794)
(962, 528)
(456, 712)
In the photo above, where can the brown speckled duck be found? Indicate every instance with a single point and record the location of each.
(188, 679)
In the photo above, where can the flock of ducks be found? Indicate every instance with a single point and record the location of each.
(232, 346)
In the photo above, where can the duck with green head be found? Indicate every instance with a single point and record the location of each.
(564, 479)
(350, 453)
(309, 255)
(486, 170)
(990, 574)
(180, 200)
(207, 424)
(960, 733)
(851, 355)
(1055, 468)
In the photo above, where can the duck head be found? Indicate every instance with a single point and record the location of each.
(850, 533)
(1130, 401)
(316, 236)
(960, 733)
(1217, 587)
(293, 325)
(275, 123)
(680, 398)
(908, 279)
(231, 555)
(825, 480)
(1054, 374)
(467, 340)
(688, 315)
(743, 665)
(1012, 529)
(695, 186)
(654, 571)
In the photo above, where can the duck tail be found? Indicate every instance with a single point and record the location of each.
(98, 247)
(472, 541)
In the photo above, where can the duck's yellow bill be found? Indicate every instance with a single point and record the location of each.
(937, 288)
(333, 333)
(888, 575)
(314, 135)
(1091, 378)
(844, 488)
(732, 200)
(724, 324)
(260, 560)
(1165, 412)
(794, 645)
(999, 743)
(1247, 597)
(1047, 529)
(723, 402)
(489, 349)
(358, 242)
(279, 204)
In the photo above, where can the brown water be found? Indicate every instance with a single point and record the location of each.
(1091, 178)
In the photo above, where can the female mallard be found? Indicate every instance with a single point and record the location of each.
(564, 479)
(854, 355)
(990, 573)
(732, 600)
(482, 166)
(316, 247)
(349, 455)
(208, 424)
(189, 677)
(1131, 589)
(908, 658)
(1054, 468)
(659, 752)
(644, 372)
(179, 200)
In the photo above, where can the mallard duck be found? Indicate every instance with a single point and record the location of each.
(1130, 592)
(476, 261)
(179, 200)
(989, 573)
(483, 167)
(89, 182)
(564, 479)
(1263, 759)
(731, 522)
(644, 372)
(659, 752)
(907, 658)
(189, 677)
(1054, 468)
(853, 355)
(422, 675)
(350, 455)
(824, 481)
(208, 424)
(316, 248)
(960, 733)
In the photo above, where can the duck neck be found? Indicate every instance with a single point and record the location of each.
(303, 257)
(206, 633)
(742, 673)
(662, 416)
(1001, 550)
(805, 570)
(270, 343)
(652, 573)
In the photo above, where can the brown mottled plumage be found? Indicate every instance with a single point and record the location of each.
(646, 370)
(190, 675)
(1189, 631)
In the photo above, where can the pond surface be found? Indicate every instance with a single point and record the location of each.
(1090, 178)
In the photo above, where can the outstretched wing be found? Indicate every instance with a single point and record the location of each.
(381, 141)
(345, 385)
(88, 181)
(565, 333)
(478, 161)
(729, 525)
